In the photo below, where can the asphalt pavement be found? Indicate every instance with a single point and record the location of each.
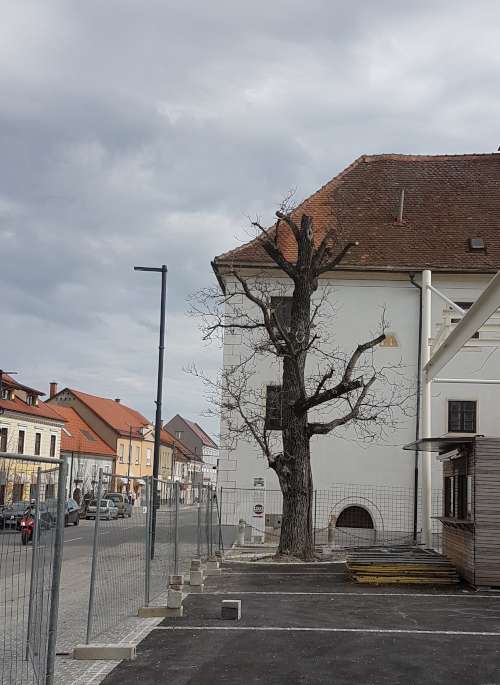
(308, 624)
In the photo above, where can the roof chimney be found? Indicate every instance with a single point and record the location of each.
(53, 389)
(401, 206)
(117, 399)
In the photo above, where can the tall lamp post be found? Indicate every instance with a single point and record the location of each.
(159, 391)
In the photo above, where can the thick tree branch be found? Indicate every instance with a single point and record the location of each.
(289, 222)
(324, 428)
(275, 253)
(332, 263)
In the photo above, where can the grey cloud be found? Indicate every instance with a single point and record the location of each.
(145, 133)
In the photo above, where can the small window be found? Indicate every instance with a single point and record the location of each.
(20, 442)
(281, 309)
(137, 455)
(31, 400)
(148, 457)
(52, 445)
(121, 454)
(3, 439)
(462, 416)
(274, 399)
(5, 395)
(476, 244)
(38, 443)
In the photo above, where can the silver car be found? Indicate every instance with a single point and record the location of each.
(108, 510)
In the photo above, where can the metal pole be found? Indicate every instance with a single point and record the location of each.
(426, 408)
(34, 559)
(159, 393)
(56, 574)
(90, 615)
(219, 512)
(210, 521)
(147, 574)
(176, 530)
(198, 529)
(315, 517)
(207, 518)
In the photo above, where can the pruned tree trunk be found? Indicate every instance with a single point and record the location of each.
(342, 383)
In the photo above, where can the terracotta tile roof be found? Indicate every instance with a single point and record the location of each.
(449, 199)
(78, 436)
(42, 410)
(115, 414)
(9, 381)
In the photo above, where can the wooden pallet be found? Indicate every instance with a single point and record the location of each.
(400, 565)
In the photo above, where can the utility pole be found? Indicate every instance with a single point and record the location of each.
(159, 392)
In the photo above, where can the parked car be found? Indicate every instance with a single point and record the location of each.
(121, 501)
(107, 512)
(71, 512)
(12, 514)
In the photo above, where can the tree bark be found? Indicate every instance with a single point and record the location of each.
(294, 466)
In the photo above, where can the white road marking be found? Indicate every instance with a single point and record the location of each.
(354, 594)
(73, 539)
(381, 631)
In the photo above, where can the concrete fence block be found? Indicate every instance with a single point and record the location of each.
(231, 609)
(195, 564)
(174, 599)
(176, 582)
(105, 651)
(196, 578)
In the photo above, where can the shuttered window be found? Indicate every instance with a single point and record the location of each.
(461, 416)
(38, 443)
(273, 407)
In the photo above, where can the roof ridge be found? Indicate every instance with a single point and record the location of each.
(418, 158)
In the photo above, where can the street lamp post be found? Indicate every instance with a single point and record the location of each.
(159, 391)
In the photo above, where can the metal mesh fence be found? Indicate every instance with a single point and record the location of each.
(344, 515)
(118, 563)
(28, 530)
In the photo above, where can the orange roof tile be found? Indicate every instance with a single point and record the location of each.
(78, 436)
(42, 410)
(115, 414)
(448, 200)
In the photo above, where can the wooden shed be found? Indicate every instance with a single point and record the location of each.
(471, 505)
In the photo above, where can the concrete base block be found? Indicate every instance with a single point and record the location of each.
(105, 651)
(174, 613)
(196, 578)
(197, 588)
(176, 582)
(174, 599)
(231, 609)
(195, 564)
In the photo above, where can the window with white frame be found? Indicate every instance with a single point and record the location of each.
(148, 456)
(137, 455)
(121, 453)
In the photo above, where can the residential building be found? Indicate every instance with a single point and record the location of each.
(198, 442)
(404, 214)
(27, 426)
(124, 430)
(85, 453)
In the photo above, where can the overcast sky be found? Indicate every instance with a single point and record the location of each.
(146, 132)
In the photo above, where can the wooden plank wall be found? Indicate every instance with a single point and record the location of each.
(487, 511)
(458, 544)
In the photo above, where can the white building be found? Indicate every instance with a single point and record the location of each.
(27, 427)
(407, 213)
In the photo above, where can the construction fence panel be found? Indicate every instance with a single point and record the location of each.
(30, 559)
(118, 561)
(344, 515)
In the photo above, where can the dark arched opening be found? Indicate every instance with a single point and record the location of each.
(355, 517)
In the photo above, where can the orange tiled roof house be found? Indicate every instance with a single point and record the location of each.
(406, 214)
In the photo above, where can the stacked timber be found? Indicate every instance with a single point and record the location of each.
(400, 565)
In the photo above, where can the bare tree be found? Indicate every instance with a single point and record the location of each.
(322, 388)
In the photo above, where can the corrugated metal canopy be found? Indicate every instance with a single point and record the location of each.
(441, 445)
